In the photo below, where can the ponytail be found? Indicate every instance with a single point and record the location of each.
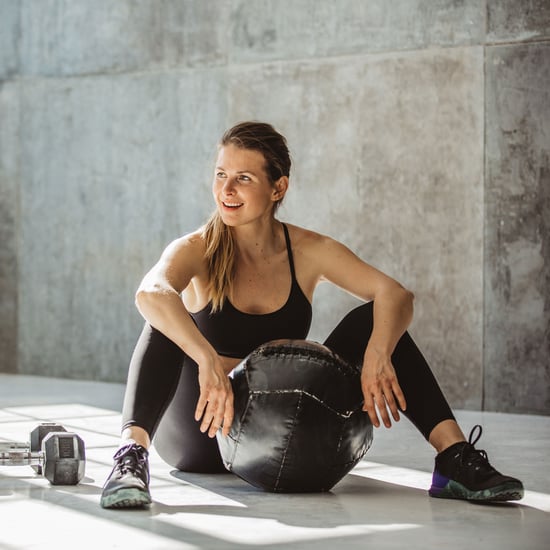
(220, 258)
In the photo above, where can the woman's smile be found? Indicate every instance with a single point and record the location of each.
(232, 205)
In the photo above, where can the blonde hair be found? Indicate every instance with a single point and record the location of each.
(220, 245)
(220, 258)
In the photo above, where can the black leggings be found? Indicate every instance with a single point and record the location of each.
(163, 389)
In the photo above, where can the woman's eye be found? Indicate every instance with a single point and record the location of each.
(220, 175)
(245, 178)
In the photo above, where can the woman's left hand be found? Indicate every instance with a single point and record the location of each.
(381, 389)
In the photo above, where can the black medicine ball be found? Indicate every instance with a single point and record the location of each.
(298, 423)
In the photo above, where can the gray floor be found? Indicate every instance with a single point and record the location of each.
(381, 504)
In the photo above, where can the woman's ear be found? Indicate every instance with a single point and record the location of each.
(280, 188)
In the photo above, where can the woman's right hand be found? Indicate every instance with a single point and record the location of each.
(215, 404)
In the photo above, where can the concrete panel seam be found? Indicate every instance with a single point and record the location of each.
(350, 58)
(534, 40)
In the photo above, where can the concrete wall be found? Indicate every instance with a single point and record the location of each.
(419, 133)
(517, 209)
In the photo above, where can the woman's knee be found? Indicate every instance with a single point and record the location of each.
(186, 448)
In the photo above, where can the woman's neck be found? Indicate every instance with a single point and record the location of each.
(259, 242)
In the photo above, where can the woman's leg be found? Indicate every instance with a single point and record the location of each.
(178, 439)
(461, 471)
(153, 377)
(161, 395)
(160, 400)
(427, 407)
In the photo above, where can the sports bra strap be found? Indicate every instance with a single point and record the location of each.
(289, 252)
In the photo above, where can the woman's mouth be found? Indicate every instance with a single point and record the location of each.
(233, 205)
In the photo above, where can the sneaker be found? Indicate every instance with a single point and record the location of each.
(128, 484)
(464, 472)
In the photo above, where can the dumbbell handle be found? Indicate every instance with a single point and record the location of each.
(21, 457)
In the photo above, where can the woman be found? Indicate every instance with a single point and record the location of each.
(244, 279)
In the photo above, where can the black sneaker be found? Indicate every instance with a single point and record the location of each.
(128, 484)
(464, 472)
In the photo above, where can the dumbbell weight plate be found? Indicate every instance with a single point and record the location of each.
(38, 435)
(64, 458)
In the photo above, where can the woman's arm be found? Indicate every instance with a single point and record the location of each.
(393, 311)
(158, 299)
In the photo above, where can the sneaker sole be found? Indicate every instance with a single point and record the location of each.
(500, 493)
(126, 498)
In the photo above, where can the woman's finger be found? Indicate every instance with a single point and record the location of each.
(392, 404)
(228, 415)
(381, 405)
(209, 421)
(369, 407)
(217, 419)
(201, 406)
(214, 427)
(398, 392)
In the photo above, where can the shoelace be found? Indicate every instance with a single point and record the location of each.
(129, 459)
(472, 456)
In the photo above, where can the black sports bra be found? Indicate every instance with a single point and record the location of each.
(234, 333)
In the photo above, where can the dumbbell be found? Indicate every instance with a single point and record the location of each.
(53, 452)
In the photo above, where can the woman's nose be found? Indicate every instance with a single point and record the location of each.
(229, 186)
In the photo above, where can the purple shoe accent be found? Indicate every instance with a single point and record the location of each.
(439, 481)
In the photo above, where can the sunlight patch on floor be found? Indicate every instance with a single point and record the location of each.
(264, 531)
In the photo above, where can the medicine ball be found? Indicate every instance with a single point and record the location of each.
(298, 423)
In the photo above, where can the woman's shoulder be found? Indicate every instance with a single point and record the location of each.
(187, 245)
(194, 239)
(306, 239)
(315, 254)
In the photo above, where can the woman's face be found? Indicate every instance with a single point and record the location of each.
(241, 187)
